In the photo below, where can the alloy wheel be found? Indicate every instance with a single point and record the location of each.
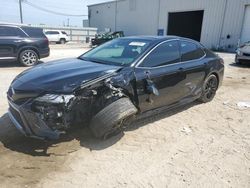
(211, 87)
(29, 58)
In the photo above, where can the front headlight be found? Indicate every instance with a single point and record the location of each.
(54, 99)
(239, 53)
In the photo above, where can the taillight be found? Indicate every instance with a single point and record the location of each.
(46, 41)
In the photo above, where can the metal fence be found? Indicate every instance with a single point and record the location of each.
(76, 34)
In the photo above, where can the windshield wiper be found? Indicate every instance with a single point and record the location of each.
(92, 60)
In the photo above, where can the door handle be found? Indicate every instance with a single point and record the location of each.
(181, 69)
(148, 73)
(18, 41)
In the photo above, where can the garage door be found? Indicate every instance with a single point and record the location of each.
(245, 35)
(186, 24)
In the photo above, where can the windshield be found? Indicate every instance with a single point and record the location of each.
(121, 52)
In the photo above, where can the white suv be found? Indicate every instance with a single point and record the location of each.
(57, 36)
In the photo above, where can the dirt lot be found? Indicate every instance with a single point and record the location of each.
(199, 145)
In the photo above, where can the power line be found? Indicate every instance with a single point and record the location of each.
(51, 11)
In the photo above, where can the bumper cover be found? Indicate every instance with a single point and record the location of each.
(44, 53)
(243, 57)
(29, 124)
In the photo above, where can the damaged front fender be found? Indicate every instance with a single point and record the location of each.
(51, 114)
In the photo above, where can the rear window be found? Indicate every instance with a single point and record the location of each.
(51, 32)
(34, 32)
(190, 51)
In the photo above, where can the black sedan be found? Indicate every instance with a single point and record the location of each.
(109, 85)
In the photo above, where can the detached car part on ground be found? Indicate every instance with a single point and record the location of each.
(243, 53)
(105, 37)
(109, 85)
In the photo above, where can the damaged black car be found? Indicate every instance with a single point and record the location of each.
(108, 86)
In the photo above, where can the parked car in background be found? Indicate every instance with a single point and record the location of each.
(57, 36)
(110, 84)
(101, 38)
(22, 43)
(243, 53)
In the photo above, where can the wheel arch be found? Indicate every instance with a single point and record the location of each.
(216, 74)
(29, 48)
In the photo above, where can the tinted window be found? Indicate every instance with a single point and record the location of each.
(190, 51)
(11, 31)
(33, 32)
(3, 31)
(52, 32)
(63, 32)
(165, 54)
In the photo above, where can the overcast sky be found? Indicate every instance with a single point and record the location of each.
(9, 11)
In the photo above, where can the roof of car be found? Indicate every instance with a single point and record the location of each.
(54, 30)
(156, 39)
(153, 38)
(10, 25)
(18, 26)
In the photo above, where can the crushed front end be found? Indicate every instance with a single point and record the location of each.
(47, 115)
(44, 117)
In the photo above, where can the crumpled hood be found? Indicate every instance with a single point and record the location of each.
(60, 76)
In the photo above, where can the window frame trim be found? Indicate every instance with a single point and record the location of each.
(18, 28)
(195, 43)
(137, 65)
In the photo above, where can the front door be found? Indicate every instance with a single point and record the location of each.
(6, 48)
(10, 38)
(162, 70)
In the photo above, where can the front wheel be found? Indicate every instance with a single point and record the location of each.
(210, 87)
(28, 58)
(110, 120)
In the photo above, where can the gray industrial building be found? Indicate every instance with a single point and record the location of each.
(219, 24)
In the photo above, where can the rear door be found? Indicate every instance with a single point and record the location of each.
(194, 65)
(10, 39)
(38, 38)
(161, 67)
(53, 36)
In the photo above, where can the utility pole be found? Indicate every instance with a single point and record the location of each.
(68, 22)
(21, 11)
(116, 15)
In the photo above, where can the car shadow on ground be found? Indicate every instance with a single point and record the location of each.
(13, 140)
(242, 65)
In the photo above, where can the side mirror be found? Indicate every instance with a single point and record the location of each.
(151, 88)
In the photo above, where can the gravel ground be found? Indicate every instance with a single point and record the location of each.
(199, 145)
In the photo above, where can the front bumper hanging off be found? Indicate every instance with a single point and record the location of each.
(29, 124)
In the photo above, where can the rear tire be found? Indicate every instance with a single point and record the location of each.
(28, 58)
(237, 61)
(110, 120)
(62, 41)
(210, 87)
